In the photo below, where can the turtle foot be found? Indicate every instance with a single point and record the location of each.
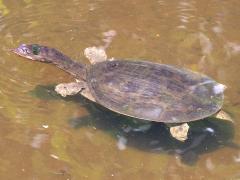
(95, 54)
(69, 89)
(180, 132)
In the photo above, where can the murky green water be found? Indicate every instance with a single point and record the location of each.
(44, 136)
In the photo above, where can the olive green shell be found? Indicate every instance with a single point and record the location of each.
(154, 92)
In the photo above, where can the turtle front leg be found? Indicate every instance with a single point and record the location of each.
(73, 88)
(69, 89)
(96, 54)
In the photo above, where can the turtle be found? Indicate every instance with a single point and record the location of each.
(136, 88)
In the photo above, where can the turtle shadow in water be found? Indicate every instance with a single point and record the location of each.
(204, 136)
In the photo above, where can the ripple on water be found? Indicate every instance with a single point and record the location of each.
(16, 100)
(14, 28)
(186, 11)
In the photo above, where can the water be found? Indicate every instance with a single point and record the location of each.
(44, 136)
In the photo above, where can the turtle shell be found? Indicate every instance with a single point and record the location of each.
(154, 92)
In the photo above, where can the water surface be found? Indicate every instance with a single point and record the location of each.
(44, 136)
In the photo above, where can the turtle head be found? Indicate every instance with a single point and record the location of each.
(38, 53)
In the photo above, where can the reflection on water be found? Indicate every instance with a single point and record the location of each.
(155, 137)
(44, 136)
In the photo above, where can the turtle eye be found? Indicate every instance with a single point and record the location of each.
(35, 49)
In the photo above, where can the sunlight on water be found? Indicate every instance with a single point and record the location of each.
(45, 136)
(186, 10)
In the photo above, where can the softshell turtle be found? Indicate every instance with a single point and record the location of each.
(140, 89)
